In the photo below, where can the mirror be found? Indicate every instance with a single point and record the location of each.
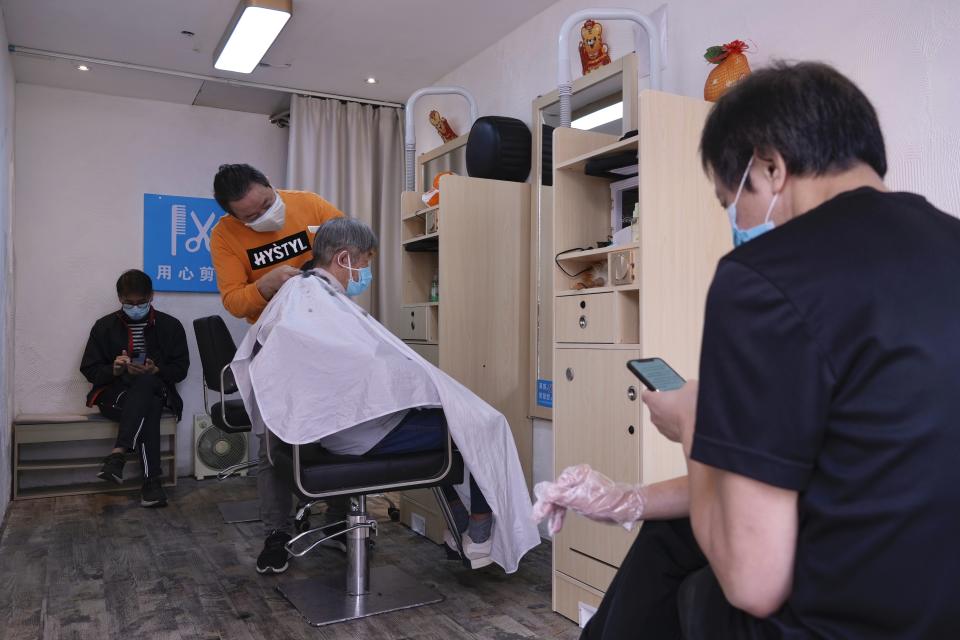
(603, 89)
(455, 161)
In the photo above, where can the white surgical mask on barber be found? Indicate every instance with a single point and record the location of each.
(740, 236)
(272, 219)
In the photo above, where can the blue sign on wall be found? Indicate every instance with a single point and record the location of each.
(176, 242)
(545, 393)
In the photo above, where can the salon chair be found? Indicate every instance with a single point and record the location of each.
(217, 349)
(318, 475)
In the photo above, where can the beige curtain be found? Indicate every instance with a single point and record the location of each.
(352, 155)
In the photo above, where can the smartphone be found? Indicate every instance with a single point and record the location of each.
(655, 374)
(139, 358)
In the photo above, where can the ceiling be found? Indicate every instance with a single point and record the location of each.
(327, 46)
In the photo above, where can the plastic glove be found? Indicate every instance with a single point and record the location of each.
(591, 494)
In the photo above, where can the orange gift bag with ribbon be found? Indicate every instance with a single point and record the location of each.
(732, 66)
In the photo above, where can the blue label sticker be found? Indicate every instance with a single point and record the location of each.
(545, 393)
(176, 242)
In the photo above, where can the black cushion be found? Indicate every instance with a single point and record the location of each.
(499, 149)
(321, 471)
(236, 416)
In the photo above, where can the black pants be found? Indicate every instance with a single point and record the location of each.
(665, 590)
(137, 407)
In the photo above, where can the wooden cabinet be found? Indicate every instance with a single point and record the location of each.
(475, 243)
(597, 421)
(651, 304)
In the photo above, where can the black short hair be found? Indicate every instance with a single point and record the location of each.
(233, 181)
(134, 281)
(815, 117)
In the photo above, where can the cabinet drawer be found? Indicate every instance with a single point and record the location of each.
(586, 318)
(418, 322)
(429, 352)
(572, 598)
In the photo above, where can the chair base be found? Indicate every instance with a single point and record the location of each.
(322, 601)
(240, 511)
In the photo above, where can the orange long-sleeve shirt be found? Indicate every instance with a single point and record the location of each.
(241, 256)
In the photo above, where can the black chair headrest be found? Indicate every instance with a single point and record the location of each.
(217, 349)
(499, 149)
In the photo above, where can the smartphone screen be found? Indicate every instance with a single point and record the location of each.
(655, 374)
(138, 358)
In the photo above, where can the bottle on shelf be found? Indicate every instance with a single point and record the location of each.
(435, 288)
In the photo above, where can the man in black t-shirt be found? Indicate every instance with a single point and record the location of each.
(134, 358)
(822, 439)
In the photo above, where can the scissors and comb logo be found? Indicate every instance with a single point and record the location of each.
(200, 230)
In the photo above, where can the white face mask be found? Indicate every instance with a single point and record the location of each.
(272, 219)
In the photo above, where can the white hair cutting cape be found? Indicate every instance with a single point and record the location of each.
(325, 365)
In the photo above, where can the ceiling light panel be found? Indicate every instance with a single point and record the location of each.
(254, 27)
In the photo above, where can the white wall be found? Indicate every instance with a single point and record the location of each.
(7, 87)
(84, 162)
(901, 55)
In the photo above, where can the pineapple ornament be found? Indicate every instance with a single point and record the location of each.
(732, 66)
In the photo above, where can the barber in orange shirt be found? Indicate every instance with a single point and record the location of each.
(261, 243)
(264, 238)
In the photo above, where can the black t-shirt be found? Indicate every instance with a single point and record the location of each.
(831, 366)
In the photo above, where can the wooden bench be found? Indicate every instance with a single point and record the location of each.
(32, 433)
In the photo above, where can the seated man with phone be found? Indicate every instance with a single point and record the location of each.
(134, 358)
(821, 442)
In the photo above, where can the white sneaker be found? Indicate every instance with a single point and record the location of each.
(478, 553)
(450, 541)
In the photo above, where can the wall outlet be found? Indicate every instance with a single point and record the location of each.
(418, 523)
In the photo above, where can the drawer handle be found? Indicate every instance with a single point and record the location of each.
(583, 304)
(631, 430)
(412, 314)
(570, 374)
(632, 393)
(412, 326)
(583, 322)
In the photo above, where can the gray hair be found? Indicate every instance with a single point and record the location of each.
(342, 234)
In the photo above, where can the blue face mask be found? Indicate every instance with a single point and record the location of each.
(137, 311)
(740, 236)
(356, 287)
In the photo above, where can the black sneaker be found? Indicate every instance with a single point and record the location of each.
(273, 558)
(112, 468)
(152, 494)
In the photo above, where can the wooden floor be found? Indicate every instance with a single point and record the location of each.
(100, 566)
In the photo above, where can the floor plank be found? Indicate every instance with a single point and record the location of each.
(100, 566)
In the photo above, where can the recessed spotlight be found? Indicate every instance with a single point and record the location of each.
(371, 80)
(83, 67)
